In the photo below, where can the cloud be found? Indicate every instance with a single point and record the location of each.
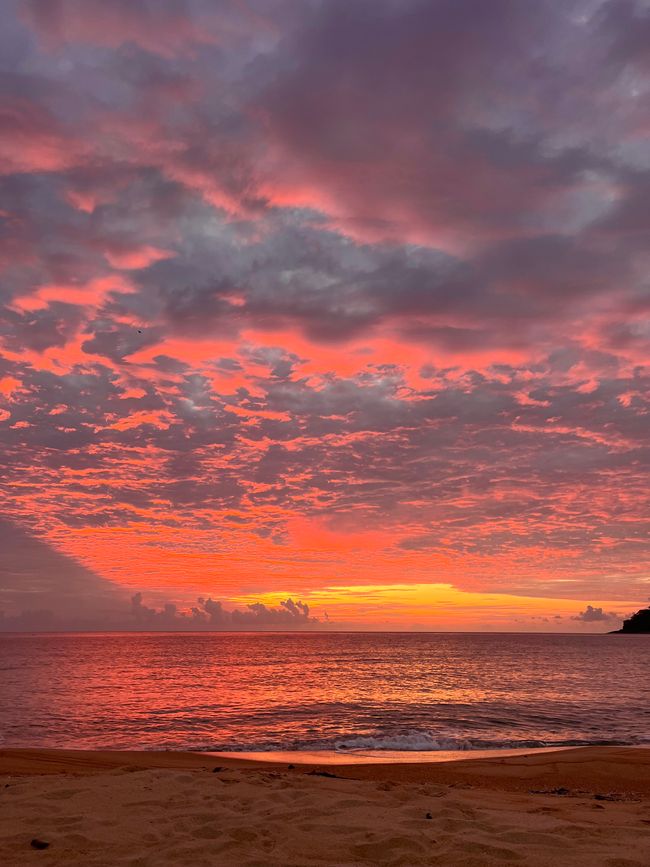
(455, 148)
(211, 614)
(166, 26)
(208, 615)
(372, 267)
(42, 589)
(595, 615)
(39, 583)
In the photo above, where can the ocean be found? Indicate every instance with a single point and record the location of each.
(317, 691)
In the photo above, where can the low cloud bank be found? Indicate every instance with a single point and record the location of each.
(208, 614)
(211, 613)
(594, 615)
(45, 590)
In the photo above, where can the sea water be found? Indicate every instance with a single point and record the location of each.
(322, 691)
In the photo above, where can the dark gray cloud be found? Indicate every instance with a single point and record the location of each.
(376, 264)
(596, 615)
(530, 188)
(45, 584)
(42, 589)
(211, 614)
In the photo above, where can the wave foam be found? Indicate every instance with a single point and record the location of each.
(407, 741)
(413, 740)
(434, 741)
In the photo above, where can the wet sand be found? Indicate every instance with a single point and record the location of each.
(588, 806)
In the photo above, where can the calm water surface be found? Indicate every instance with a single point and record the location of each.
(322, 691)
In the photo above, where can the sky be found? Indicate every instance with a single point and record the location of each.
(324, 314)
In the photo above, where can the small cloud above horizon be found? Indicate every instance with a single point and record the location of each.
(596, 615)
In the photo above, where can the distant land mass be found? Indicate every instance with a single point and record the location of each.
(638, 623)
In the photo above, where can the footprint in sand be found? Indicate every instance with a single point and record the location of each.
(383, 850)
(624, 862)
(208, 832)
(496, 852)
(68, 821)
(243, 835)
(61, 794)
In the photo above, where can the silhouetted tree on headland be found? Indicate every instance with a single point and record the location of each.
(638, 623)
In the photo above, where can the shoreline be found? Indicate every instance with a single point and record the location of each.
(384, 757)
(624, 768)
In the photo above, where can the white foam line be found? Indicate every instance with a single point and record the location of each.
(380, 757)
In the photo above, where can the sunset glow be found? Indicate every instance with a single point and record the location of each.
(313, 302)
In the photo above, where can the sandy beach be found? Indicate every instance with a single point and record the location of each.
(587, 806)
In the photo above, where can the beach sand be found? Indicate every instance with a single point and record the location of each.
(586, 807)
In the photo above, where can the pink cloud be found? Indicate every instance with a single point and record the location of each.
(351, 295)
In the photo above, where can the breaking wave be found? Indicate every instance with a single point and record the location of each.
(415, 740)
(425, 741)
(409, 741)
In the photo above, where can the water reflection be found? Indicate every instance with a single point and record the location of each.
(256, 691)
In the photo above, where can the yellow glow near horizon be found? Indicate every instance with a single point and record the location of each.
(442, 606)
